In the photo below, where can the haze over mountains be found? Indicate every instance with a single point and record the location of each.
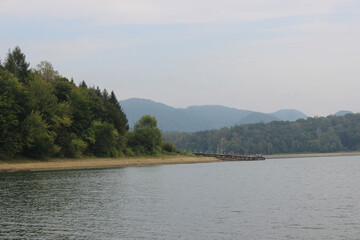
(197, 118)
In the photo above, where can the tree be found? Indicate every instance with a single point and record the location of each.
(11, 111)
(82, 115)
(38, 139)
(16, 64)
(169, 147)
(105, 95)
(114, 113)
(106, 140)
(113, 99)
(147, 136)
(63, 89)
(98, 91)
(44, 115)
(40, 96)
(146, 121)
(83, 84)
(321, 134)
(46, 70)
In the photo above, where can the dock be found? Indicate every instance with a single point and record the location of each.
(233, 157)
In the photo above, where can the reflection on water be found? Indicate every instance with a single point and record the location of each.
(310, 198)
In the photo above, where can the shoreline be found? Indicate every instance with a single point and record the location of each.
(97, 163)
(29, 165)
(304, 155)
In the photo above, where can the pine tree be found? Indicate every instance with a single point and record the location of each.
(16, 64)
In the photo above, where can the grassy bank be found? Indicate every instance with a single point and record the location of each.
(89, 163)
(303, 155)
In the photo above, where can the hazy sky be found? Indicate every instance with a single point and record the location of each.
(261, 55)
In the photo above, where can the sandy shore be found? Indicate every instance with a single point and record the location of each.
(303, 155)
(88, 163)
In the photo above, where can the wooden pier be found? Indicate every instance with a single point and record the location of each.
(233, 157)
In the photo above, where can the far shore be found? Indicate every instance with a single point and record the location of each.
(24, 165)
(304, 155)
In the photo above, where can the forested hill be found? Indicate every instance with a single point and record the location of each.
(319, 134)
(197, 118)
(43, 114)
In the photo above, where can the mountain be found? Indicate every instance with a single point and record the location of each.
(288, 115)
(194, 118)
(343, 112)
(198, 118)
(256, 117)
(169, 118)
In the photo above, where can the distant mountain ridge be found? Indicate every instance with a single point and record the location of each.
(343, 112)
(198, 118)
(288, 114)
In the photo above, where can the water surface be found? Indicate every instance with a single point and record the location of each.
(304, 198)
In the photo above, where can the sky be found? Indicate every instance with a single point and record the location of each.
(260, 55)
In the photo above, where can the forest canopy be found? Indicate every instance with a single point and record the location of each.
(318, 134)
(43, 114)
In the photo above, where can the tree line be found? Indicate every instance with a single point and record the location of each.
(318, 134)
(43, 114)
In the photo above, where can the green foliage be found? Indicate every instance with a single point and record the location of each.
(46, 70)
(63, 89)
(324, 134)
(146, 121)
(16, 64)
(76, 146)
(129, 152)
(38, 139)
(11, 111)
(146, 138)
(40, 96)
(45, 115)
(83, 84)
(82, 115)
(169, 147)
(114, 114)
(106, 140)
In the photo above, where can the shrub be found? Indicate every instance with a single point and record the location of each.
(168, 147)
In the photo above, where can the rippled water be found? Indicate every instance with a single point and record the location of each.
(305, 198)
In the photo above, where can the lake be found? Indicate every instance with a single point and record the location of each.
(299, 198)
